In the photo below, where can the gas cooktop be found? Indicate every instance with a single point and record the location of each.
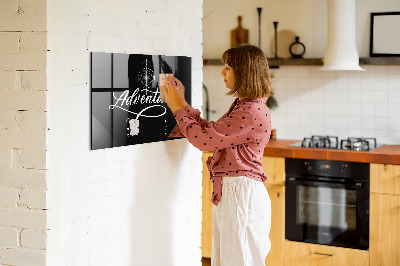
(332, 142)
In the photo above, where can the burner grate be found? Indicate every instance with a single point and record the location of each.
(332, 142)
(358, 144)
(327, 142)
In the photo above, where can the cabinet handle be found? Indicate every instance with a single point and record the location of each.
(324, 254)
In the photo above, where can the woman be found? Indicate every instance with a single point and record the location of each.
(242, 208)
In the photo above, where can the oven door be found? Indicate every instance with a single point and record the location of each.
(327, 213)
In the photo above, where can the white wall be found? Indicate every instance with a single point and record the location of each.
(311, 102)
(23, 133)
(343, 104)
(306, 19)
(135, 205)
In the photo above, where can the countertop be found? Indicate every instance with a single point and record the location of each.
(389, 154)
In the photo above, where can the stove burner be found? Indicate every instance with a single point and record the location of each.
(328, 142)
(358, 144)
(332, 142)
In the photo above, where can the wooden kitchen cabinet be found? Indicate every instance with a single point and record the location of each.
(206, 225)
(274, 168)
(305, 254)
(385, 215)
(384, 236)
(385, 178)
(277, 233)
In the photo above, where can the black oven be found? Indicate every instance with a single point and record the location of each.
(327, 202)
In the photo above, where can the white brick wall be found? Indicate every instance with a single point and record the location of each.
(9, 237)
(23, 128)
(34, 239)
(9, 197)
(108, 207)
(135, 205)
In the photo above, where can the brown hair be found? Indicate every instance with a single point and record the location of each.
(250, 66)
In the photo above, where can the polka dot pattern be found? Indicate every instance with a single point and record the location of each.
(238, 139)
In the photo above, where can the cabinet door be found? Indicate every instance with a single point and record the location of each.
(384, 230)
(304, 254)
(206, 232)
(277, 233)
(385, 178)
(274, 168)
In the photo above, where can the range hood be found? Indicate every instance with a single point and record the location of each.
(341, 51)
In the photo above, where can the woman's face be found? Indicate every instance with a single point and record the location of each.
(229, 76)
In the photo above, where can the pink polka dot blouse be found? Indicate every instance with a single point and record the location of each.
(238, 139)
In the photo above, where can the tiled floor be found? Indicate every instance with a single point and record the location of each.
(206, 261)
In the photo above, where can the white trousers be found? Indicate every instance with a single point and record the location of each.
(241, 223)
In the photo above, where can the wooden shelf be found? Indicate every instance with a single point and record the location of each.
(294, 62)
(273, 63)
(380, 61)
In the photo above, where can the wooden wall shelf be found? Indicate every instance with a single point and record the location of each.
(380, 61)
(273, 63)
(295, 62)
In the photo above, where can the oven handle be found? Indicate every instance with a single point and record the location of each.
(357, 185)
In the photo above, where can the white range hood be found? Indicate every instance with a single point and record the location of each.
(341, 51)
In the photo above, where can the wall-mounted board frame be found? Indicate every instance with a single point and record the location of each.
(126, 108)
(384, 34)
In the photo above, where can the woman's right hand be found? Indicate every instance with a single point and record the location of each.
(181, 91)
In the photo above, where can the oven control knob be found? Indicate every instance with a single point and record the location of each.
(343, 168)
(308, 166)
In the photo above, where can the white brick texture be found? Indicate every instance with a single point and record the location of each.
(18, 256)
(23, 16)
(128, 201)
(33, 199)
(5, 158)
(22, 100)
(27, 120)
(33, 239)
(49, 43)
(23, 218)
(9, 237)
(8, 197)
(23, 126)
(23, 178)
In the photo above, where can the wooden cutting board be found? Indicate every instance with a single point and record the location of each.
(239, 35)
